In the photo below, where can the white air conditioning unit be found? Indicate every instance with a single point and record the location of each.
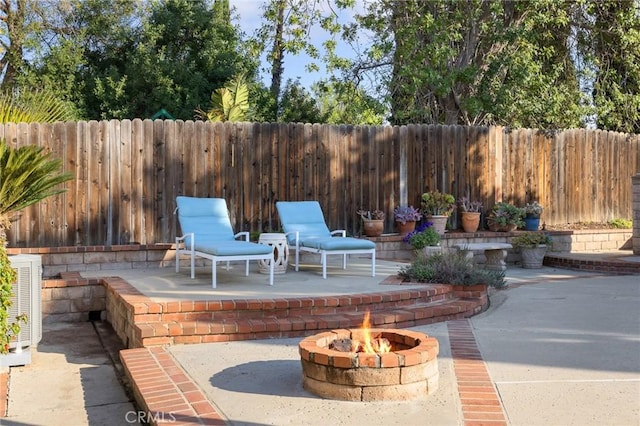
(27, 299)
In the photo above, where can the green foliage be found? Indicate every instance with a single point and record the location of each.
(423, 236)
(534, 209)
(33, 106)
(344, 103)
(27, 176)
(610, 40)
(504, 214)
(480, 62)
(531, 240)
(285, 29)
(621, 223)
(436, 203)
(230, 103)
(141, 56)
(298, 105)
(453, 268)
(8, 277)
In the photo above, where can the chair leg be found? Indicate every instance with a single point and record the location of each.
(213, 274)
(373, 264)
(193, 265)
(323, 258)
(271, 270)
(177, 257)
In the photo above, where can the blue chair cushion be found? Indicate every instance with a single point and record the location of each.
(207, 218)
(232, 248)
(337, 243)
(304, 217)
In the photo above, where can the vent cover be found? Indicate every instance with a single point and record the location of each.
(27, 299)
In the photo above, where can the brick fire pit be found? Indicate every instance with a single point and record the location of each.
(408, 371)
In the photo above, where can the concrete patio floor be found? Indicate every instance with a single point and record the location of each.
(558, 347)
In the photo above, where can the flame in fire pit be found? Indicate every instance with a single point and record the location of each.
(372, 345)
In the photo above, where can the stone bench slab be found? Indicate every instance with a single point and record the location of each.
(484, 246)
(495, 253)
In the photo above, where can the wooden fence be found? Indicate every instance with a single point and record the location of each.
(128, 173)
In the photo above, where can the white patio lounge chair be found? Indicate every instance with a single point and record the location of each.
(208, 233)
(306, 230)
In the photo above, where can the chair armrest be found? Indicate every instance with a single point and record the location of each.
(184, 237)
(340, 232)
(243, 234)
(296, 235)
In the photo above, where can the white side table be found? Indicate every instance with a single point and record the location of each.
(280, 253)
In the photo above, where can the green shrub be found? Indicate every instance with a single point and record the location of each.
(449, 268)
(531, 240)
(621, 223)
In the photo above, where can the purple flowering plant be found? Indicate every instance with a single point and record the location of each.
(423, 236)
(404, 214)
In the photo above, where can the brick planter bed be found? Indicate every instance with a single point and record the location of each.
(409, 371)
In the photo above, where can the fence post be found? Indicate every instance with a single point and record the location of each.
(636, 213)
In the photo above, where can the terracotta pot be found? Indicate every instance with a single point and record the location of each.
(373, 228)
(439, 223)
(470, 221)
(405, 228)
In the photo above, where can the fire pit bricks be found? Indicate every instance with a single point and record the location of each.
(409, 371)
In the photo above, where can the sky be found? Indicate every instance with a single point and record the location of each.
(250, 12)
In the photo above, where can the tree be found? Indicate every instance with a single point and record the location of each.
(612, 42)
(13, 16)
(341, 102)
(480, 62)
(178, 53)
(285, 30)
(298, 105)
(140, 57)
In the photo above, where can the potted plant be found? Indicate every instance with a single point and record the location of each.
(470, 214)
(437, 207)
(505, 217)
(533, 246)
(373, 221)
(424, 239)
(406, 218)
(532, 213)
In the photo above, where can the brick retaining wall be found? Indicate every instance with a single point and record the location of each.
(57, 260)
(574, 241)
(68, 297)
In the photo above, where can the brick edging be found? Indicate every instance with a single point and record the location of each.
(478, 396)
(167, 394)
(609, 266)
